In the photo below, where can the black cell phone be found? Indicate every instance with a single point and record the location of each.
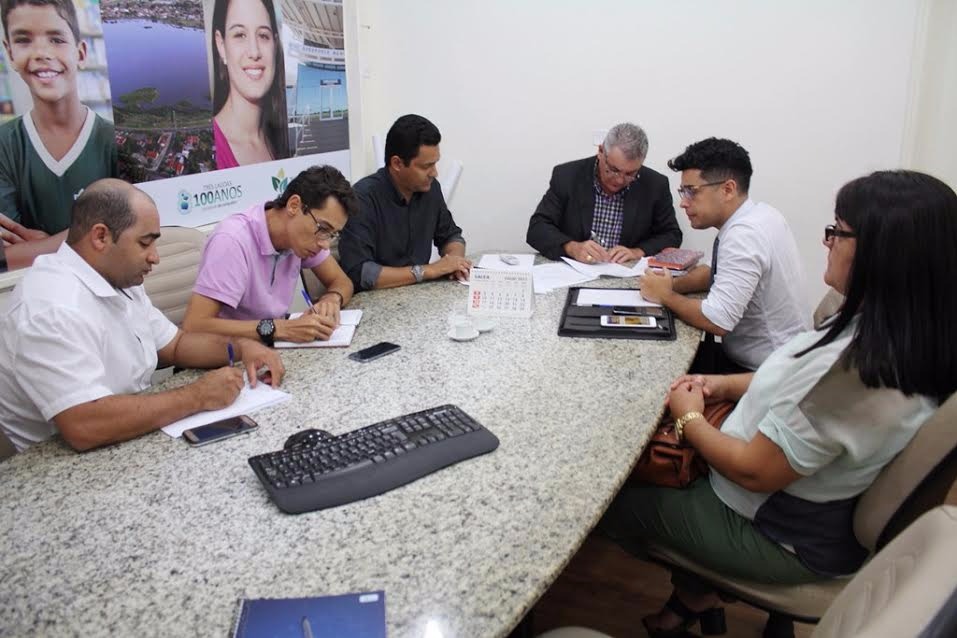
(373, 352)
(219, 430)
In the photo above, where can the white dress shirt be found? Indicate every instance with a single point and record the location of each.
(759, 290)
(68, 337)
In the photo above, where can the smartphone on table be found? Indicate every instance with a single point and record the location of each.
(628, 321)
(219, 430)
(374, 352)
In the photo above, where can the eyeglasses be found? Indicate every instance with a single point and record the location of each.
(831, 231)
(324, 231)
(689, 191)
(617, 172)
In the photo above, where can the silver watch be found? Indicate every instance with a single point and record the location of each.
(419, 273)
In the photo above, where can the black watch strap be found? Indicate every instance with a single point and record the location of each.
(266, 329)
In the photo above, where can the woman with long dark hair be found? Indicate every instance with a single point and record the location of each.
(249, 99)
(821, 417)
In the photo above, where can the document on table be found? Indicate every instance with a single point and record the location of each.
(494, 262)
(611, 297)
(249, 400)
(547, 277)
(341, 336)
(609, 269)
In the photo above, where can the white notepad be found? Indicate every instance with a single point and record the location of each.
(341, 336)
(249, 400)
(612, 297)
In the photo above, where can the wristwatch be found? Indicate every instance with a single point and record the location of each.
(266, 329)
(419, 273)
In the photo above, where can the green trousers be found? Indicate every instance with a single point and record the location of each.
(696, 523)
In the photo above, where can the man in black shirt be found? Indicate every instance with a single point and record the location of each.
(401, 214)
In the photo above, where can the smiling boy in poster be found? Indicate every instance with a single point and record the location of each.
(49, 155)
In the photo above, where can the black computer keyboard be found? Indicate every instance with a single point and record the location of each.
(370, 460)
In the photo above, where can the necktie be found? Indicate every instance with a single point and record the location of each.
(714, 260)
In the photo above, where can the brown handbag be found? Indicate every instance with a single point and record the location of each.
(668, 463)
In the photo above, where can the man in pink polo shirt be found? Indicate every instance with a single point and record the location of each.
(251, 263)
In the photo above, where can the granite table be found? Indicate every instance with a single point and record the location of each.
(153, 538)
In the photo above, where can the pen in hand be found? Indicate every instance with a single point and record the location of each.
(309, 306)
(231, 353)
(595, 239)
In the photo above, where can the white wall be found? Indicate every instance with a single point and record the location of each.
(932, 129)
(817, 91)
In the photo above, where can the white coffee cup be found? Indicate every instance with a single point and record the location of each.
(463, 329)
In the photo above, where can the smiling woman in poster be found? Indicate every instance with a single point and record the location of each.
(249, 101)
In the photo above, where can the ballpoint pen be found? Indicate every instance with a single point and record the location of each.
(306, 628)
(595, 239)
(309, 306)
(231, 353)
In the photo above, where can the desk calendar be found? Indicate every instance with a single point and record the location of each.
(500, 293)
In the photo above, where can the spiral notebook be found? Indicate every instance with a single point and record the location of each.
(359, 615)
(341, 336)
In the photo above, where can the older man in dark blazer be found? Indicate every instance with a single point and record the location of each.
(606, 208)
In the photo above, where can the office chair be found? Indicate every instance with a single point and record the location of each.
(450, 170)
(917, 480)
(449, 174)
(6, 447)
(828, 306)
(171, 282)
(908, 589)
(378, 151)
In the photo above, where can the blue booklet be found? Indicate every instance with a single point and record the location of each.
(359, 615)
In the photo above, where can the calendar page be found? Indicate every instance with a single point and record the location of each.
(500, 293)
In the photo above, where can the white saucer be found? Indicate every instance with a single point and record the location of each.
(452, 336)
(489, 325)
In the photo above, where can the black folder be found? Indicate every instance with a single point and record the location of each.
(585, 321)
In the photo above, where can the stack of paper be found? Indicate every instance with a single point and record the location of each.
(548, 277)
(249, 400)
(341, 336)
(612, 297)
(609, 269)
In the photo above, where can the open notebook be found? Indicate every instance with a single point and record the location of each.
(341, 337)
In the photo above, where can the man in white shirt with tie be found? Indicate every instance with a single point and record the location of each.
(756, 286)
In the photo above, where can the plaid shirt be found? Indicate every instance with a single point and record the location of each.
(608, 214)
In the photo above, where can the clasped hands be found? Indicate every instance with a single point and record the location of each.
(690, 393)
(591, 252)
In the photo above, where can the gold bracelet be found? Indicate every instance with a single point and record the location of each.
(680, 423)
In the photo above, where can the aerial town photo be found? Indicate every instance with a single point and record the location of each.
(162, 106)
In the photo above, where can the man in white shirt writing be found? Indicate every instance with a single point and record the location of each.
(79, 336)
(756, 287)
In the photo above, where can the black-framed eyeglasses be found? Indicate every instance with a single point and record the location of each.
(689, 191)
(831, 231)
(617, 172)
(324, 231)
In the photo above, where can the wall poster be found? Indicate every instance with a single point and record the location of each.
(207, 105)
